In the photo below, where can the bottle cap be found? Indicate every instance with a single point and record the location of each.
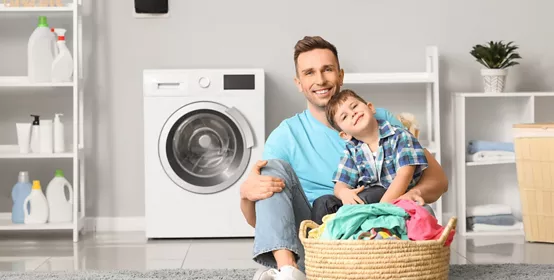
(37, 119)
(42, 21)
(23, 177)
(36, 185)
(61, 33)
(58, 173)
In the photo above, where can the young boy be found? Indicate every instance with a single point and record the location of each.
(381, 162)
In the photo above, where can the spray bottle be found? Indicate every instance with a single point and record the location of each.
(62, 67)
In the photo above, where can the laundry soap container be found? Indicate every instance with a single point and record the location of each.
(60, 207)
(37, 213)
(20, 192)
(534, 148)
(40, 52)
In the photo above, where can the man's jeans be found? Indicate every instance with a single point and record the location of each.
(278, 217)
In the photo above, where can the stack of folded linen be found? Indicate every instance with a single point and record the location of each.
(492, 217)
(479, 150)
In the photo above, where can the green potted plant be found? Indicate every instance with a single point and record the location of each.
(496, 57)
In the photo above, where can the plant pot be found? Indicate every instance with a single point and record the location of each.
(494, 79)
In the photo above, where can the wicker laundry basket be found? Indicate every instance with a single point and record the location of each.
(376, 259)
(534, 147)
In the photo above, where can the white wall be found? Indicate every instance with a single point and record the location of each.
(370, 36)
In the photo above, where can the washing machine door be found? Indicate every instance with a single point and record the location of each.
(205, 147)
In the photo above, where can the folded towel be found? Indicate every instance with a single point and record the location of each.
(483, 227)
(488, 210)
(480, 145)
(490, 156)
(498, 220)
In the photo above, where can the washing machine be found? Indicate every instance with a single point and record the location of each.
(203, 132)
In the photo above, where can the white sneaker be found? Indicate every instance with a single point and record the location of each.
(290, 273)
(265, 274)
(286, 273)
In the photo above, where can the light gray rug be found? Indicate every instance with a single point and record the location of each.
(457, 272)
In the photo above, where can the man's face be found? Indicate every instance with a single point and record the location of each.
(318, 76)
(354, 117)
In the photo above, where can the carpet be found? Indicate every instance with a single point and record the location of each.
(457, 272)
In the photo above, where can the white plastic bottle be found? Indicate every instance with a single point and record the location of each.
(62, 66)
(59, 134)
(35, 135)
(38, 213)
(59, 206)
(46, 137)
(40, 52)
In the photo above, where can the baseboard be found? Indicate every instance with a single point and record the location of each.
(100, 224)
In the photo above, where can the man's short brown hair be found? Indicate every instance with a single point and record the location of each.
(335, 101)
(309, 43)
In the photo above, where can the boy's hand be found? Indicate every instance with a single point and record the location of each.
(350, 196)
(414, 195)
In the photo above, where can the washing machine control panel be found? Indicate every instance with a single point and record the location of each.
(239, 82)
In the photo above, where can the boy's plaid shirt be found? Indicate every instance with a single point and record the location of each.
(397, 148)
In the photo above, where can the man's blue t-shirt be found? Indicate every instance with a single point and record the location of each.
(312, 149)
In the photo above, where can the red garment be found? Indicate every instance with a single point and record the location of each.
(422, 225)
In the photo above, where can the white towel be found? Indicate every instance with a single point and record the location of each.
(491, 156)
(489, 210)
(485, 227)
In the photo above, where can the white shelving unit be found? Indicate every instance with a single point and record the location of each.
(431, 79)
(75, 149)
(490, 117)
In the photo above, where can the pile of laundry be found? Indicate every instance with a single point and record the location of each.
(492, 217)
(401, 220)
(480, 150)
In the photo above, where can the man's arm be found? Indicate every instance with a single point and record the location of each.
(433, 183)
(257, 187)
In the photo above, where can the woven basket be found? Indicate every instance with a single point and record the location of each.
(534, 147)
(376, 259)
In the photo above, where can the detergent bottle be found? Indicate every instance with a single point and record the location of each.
(20, 192)
(40, 52)
(38, 212)
(59, 206)
(62, 66)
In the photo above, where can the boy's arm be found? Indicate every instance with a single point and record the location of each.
(346, 176)
(410, 161)
(399, 184)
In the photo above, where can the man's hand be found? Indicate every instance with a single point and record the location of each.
(258, 187)
(414, 195)
(350, 196)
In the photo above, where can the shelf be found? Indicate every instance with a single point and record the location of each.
(7, 225)
(388, 78)
(68, 8)
(495, 233)
(12, 152)
(504, 94)
(492, 162)
(23, 81)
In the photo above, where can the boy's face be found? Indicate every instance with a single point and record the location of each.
(354, 117)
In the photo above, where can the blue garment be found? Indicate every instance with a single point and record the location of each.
(475, 146)
(312, 149)
(397, 148)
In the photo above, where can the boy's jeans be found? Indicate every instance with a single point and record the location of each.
(278, 217)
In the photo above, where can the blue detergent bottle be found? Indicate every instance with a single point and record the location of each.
(20, 192)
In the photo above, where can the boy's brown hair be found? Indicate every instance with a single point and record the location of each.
(309, 43)
(335, 101)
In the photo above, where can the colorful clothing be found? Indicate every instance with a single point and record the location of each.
(382, 233)
(422, 225)
(353, 219)
(317, 232)
(397, 148)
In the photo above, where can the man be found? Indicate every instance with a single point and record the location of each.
(299, 159)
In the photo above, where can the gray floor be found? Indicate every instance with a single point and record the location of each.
(130, 250)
